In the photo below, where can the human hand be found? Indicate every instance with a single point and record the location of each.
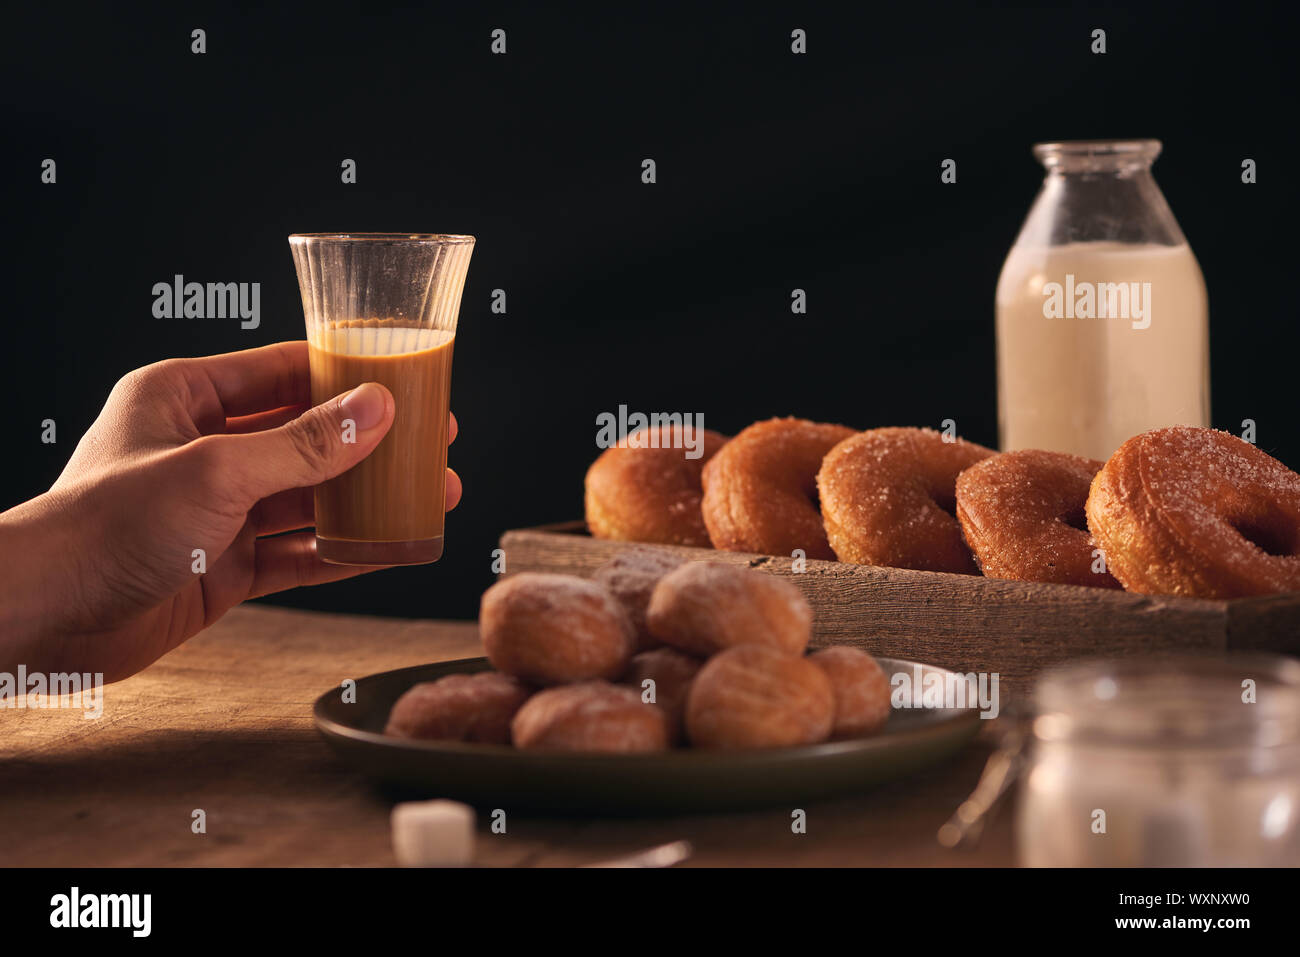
(211, 453)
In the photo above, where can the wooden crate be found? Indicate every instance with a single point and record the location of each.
(964, 622)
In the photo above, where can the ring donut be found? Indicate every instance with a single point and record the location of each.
(760, 492)
(647, 489)
(888, 498)
(1022, 514)
(1189, 511)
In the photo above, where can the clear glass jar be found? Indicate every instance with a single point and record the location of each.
(1164, 762)
(1102, 316)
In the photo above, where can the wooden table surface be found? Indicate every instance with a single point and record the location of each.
(223, 724)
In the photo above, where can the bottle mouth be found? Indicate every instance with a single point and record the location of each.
(1087, 155)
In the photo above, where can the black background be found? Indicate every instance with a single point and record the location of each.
(775, 171)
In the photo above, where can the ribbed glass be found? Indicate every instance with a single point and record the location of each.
(383, 307)
(414, 279)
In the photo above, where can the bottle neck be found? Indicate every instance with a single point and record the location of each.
(1112, 200)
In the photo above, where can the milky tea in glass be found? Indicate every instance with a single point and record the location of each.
(383, 308)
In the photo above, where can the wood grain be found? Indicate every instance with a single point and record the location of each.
(965, 622)
(224, 724)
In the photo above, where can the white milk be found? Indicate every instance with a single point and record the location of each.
(1120, 346)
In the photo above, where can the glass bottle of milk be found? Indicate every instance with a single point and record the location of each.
(1102, 319)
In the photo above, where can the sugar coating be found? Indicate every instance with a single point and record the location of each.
(888, 498)
(590, 716)
(760, 492)
(1198, 512)
(672, 672)
(475, 707)
(638, 494)
(1016, 511)
(549, 629)
(862, 692)
(705, 607)
(433, 833)
(631, 576)
(755, 696)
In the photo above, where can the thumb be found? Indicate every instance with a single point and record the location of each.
(323, 442)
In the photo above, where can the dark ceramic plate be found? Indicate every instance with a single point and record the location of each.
(496, 776)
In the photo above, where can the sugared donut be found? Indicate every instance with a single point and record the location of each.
(754, 696)
(591, 716)
(760, 493)
(861, 690)
(671, 672)
(1022, 514)
(704, 607)
(1188, 511)
(550, 629)
(888, 498)
(647, 490)
(632, 575)
(477, 707)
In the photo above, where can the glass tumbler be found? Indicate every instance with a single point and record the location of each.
(382, 307)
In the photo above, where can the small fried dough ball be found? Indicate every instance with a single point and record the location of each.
(753, 696)
(591, 716)
(551, 629)
(705, 607)
(672, 673)
(861, 690)
(477, 707)
(632, 575)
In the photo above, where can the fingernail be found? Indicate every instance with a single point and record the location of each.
(364, 405)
